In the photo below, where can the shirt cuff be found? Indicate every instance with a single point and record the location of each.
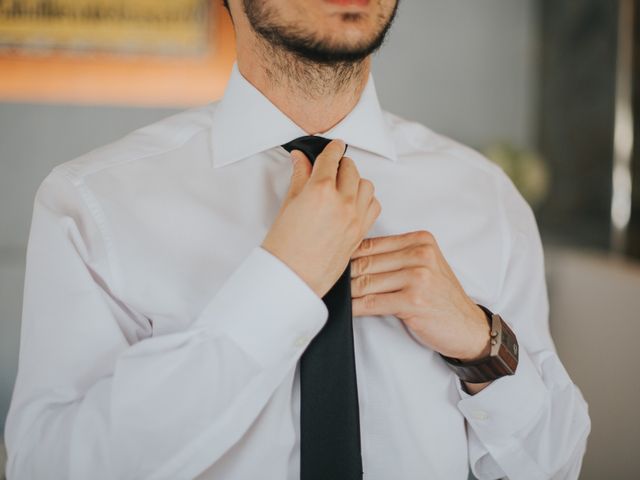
(507, 405)
(266, 308)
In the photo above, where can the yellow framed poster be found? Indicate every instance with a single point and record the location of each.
(141, 52)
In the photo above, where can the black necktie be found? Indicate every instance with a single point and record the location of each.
(329, 416)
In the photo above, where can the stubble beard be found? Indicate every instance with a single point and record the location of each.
(305, 61)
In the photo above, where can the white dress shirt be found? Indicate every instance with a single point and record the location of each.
(160, 341)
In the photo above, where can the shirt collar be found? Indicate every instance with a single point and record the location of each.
(245, 122)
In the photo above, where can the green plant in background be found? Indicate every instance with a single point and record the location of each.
(527, 170)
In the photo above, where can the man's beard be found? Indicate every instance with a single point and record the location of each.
(304, 45)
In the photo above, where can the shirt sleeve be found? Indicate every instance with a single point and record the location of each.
(535, 423)
(92, 400)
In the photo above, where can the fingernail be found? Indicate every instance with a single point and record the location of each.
(343, 144)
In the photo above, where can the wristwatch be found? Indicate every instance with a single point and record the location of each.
(503, 359)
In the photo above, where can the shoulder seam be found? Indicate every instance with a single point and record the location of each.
(84, 173)
(97, 215)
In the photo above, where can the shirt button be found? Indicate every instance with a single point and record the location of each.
(479, 414)
(302, 340)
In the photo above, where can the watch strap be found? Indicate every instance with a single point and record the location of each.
(502, 360)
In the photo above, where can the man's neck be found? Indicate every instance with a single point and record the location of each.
(315, 97)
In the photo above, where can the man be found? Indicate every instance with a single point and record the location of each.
(176, 278)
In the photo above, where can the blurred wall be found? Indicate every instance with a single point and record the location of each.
(594, 322)
(464, 68)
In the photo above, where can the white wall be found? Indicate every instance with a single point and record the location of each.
(595, 300)
(463, 67)
(466, 68)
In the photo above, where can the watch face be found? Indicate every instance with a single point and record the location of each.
(509, 340)
(509, 348)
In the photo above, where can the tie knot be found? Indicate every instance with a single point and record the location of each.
(310, 145)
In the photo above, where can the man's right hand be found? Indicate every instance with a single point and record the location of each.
(325, 215)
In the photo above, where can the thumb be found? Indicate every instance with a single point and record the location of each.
(300, 174)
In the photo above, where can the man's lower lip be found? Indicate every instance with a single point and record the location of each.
(347, 3)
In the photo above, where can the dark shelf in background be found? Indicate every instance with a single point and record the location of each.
(576, 112)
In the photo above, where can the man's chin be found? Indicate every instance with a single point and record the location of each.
(332, 54)
(347, 47)
(348, 37)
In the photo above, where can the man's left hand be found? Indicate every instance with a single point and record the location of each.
(407, 276)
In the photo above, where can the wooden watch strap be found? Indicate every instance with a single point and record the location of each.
(502, 361)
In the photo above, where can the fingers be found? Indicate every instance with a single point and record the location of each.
(419, 256)
(380, 282)
(325, 166)
(348, 177)
(299, 174)
(372, 213)
(378, 304)
(390, 243)
(365, 194)
(331, 166)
